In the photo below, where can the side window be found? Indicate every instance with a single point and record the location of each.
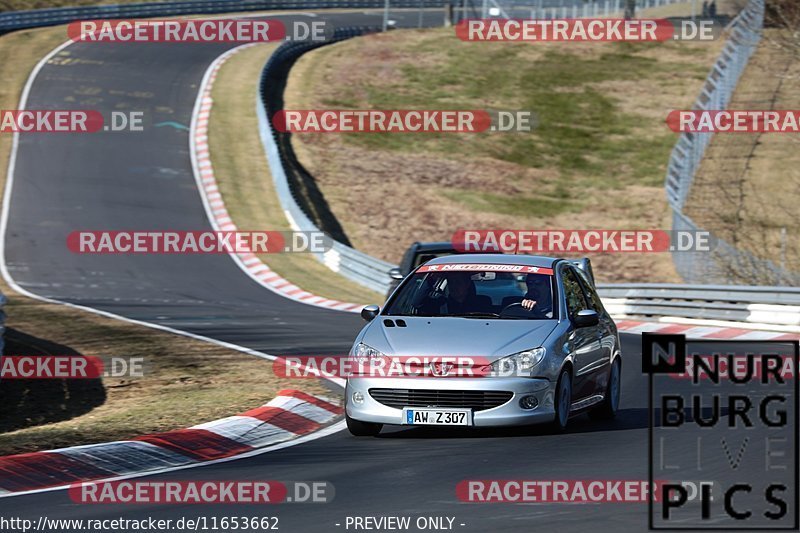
(573, 292)
(591, 293)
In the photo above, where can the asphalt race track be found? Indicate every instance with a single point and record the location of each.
(144, 180)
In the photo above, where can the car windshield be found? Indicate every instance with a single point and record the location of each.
(476, 291)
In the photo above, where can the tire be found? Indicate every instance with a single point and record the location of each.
(607, 410)
(362, 429)
(563, 401)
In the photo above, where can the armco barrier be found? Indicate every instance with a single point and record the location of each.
(775, 306)
(745, 34)
(3, 301)
(726, 263)
(778, 306)
(766, 305)
(295, 187)
(17, 20)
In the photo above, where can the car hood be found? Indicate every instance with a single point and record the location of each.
(457, 336)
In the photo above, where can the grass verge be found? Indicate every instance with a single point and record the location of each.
(596, 160)
(244, 179)
(186, 381)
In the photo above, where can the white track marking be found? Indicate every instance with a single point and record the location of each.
(324, 432)
(214, 205)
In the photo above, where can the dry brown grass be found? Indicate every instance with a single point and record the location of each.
(245, 182)
(684, 9)
(747, 189)
(385, 199)
(185, 381)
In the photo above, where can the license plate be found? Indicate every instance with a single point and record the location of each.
(437, 417)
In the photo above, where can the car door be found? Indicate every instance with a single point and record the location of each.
(606, 330)
(584, 343)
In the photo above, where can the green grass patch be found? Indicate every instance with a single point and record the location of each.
(581, 129)
(515, 205)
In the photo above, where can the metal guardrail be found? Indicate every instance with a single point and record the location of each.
(731, 294)
(3, 302)
(286, 171)
(726, 262)
(717, 90)
(17, 20)
(776, 306)
(770, 305)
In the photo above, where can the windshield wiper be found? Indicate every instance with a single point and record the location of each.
(477, 314)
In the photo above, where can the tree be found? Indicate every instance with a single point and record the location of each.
(630, 9)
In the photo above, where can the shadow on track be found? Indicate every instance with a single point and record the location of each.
(33, 402)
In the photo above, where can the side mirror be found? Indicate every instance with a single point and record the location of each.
(396, 274)
(370, 312)
(584, 319)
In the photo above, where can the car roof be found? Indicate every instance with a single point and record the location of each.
(495, 259)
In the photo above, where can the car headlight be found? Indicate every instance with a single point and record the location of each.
(519, 364)
(365, 353)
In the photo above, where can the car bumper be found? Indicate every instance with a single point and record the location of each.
(509, 413)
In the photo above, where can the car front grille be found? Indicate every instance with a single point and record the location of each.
(471, 399)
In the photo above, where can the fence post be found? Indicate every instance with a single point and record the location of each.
(744, 37)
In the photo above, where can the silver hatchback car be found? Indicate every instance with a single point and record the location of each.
(485, 340)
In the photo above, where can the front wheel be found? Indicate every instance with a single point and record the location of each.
(608, 408)
(362, 429)
(563, 401)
